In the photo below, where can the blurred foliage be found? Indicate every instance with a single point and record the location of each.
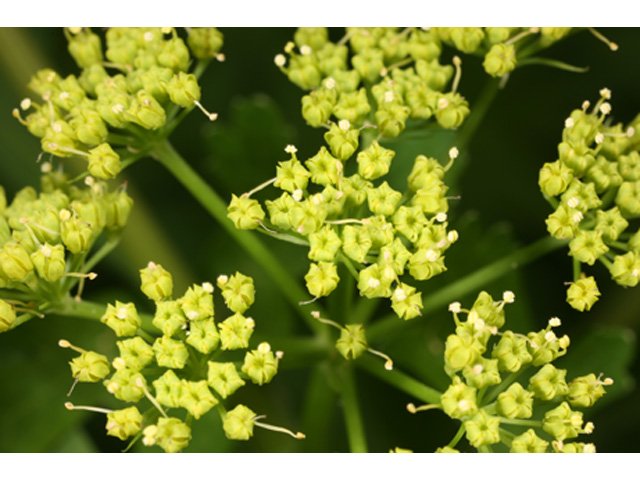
(500, 210)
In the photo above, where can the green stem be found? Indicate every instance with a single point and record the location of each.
(577, 269)
(454, 441)
(209, 199)
(319, 405)
(352, 416)
(521, 421)
(468, 284)
(400, 380)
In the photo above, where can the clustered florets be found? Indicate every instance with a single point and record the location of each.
(378, 232)
(182, 367)
(594, 187)
(503, 380)
(46, 239)
(91, 114)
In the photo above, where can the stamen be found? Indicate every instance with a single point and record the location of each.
(71, 406)
(212, 116)
(140, 384)
(273, 428)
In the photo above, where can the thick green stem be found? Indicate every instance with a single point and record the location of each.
(470, 283)
(210, 200)
(400, 380)
(352, 416)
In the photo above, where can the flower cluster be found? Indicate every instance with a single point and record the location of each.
(91, 114)
(183, 368)
(374, 76)
(594, 187)
(378, 232)
(505, 387)
(46, 238)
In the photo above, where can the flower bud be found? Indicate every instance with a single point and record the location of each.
(196, 398)
(548, 383)
(369, 63)
(462, 351)
(135, 352)
(260, 365)
(235, 332)
(489, 310)
(342, 139)
(383, 200)
(317, 107)
(482, 429)
(156, 282)
(515, 402)
(77, 236)
(245, 213)
(391, 119)
(435, 75)
(123, 384)
(374, 161)
(49, 262)
(205, 43)
(482, 373)
(7, 316)
(582, 294)
(322, 278)
(238, 423)
(352, 106)
(170, 353)
(511, 352)
(373, 283)
(124, 423)
(587, 246)
(324, 244)
(104, 163)
(452, 110)
(304, 72)
(628, 198)
(528, 442)
(554, 178)
(611, 224)
(88, 126)
(426, 263)
(89, 367)
(169, 317)
(561, 422)
(172, 435)
(183, 89)
(15, 262)
(459, 400)
(122, 318)
(174, 55)
(224, 378)
(291, 176)
(563, 223)
(146, 112)
(500, 60)
(625, 269)
(406, 301)
(352, 342)
(585, 391)
(466, 39)
(85, 47)
(168, 389)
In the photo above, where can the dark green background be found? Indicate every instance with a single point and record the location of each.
(500, 210)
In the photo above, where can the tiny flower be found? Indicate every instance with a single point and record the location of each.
(122, 318)
(124, 423)
(170, 353)
(156, 282)
(238, 423)
(172, 434)
(224, 378)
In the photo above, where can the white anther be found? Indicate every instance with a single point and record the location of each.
(550, 336)
(443, 103)
(288, 48)
(508, 296)
(290, 149)
(631, 132)
(64, 214)
(305, 50)
(607, 381)
(148, 37)
(442, 243)
(477, 369)
(577, 217)
(573, 202)
(441, 217)
(46, 167)
(453, 153)
(118, 108)
(315, 314)
(605, 93)
(344, 124)
(222, 280)
(25, 104)
(63, 96)
(455, 307)
(250, 322)
(207, 287)
(605, 108)
(452, 236)
(373, 283)
(192, 314)
(635, 273)
(89, 181)
(389, 96)
(264, 348)
(280, 60)
(569, 122)
(46, 251)
(297, 194)
(554, 322)
(330, 83)
(464, 405)
(589, 427)
(599, 138)
(119, 363)
(57, 127)
(399, 294)
(431, 255)
(586, 104)
(122, 313)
